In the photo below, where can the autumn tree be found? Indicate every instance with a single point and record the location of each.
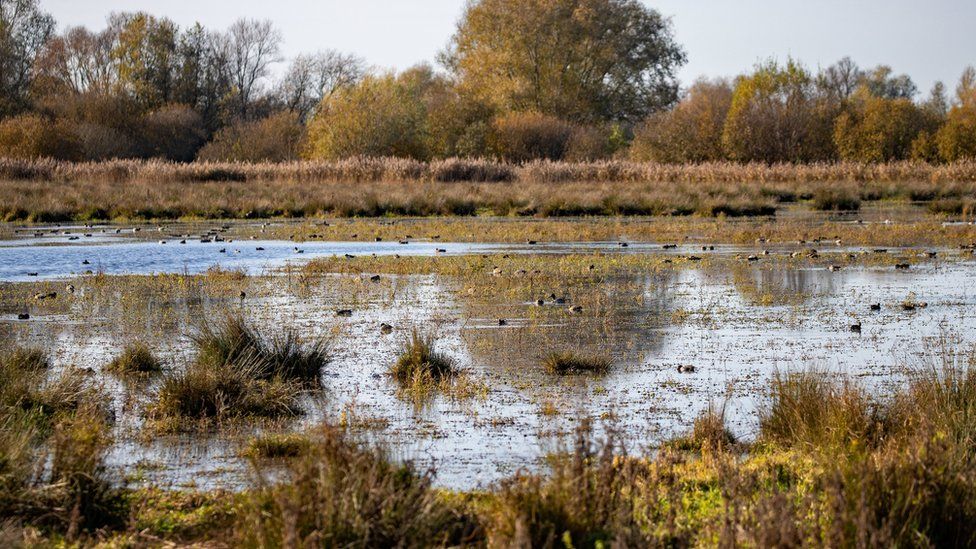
(382, 115)
(581, 60)
(146, 57)
(777, 116)
(878, 129)
(251, 48)
(956, 140)
(24, 29)
(312, 78)
(692, 131)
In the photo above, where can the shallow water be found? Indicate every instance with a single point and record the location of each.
(737, 324)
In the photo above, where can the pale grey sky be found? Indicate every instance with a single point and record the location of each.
(930, 40)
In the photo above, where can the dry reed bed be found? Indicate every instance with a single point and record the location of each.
(51, 191)
(478, 170)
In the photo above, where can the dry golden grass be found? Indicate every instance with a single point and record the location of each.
(58, 191)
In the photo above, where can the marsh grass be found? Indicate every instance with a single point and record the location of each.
(709, 432)
(136, 358)
(345, 493)
(811, 410)
(232, 340)
(46, 191)
(568, 363)
(418, 359)
(277, 446)
(216, 392)
(55, 420)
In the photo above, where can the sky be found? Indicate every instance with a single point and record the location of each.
(931, 40)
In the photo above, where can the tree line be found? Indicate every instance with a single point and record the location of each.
(519, 80)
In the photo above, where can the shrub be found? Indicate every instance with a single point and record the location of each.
(174, 132)
(136, 358)
(31, 136)
(523, 136)
(380, 116)
(277, 138)
(689, 133)
(572, 363)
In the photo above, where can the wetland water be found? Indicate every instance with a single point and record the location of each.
(737, 322)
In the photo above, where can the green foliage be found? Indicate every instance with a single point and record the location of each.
(581, 60)
(776, 116)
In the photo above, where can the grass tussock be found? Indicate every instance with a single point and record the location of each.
(232, 341)
(136, 358)
(812, 411)
(217, 392)
(277, 446)
(344, 493)
(573, 363)
(237, 373)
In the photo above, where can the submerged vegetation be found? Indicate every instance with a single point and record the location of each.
(572, 363)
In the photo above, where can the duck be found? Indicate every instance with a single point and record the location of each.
(683, 369)
(902, 266)
(502, 322)
(23, 316)
(344, 312)
(374, 278)
(386, 328)
(856, 328)
(875, 306)
(834, 268)
(576, 309)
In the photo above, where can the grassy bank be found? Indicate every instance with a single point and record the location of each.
(48, 191)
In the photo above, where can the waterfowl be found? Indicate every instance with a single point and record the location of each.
(531, 242)
(876, 307)
(576, 309)
(49, 295)
(386, 328)
(670, 246)
(683, 369)
(349, 256)
(540, 302)
(344, 312)
(856, 328)
(834, 268)
(374, 278)
(23, 316)
(502, 322)
(902, 266)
